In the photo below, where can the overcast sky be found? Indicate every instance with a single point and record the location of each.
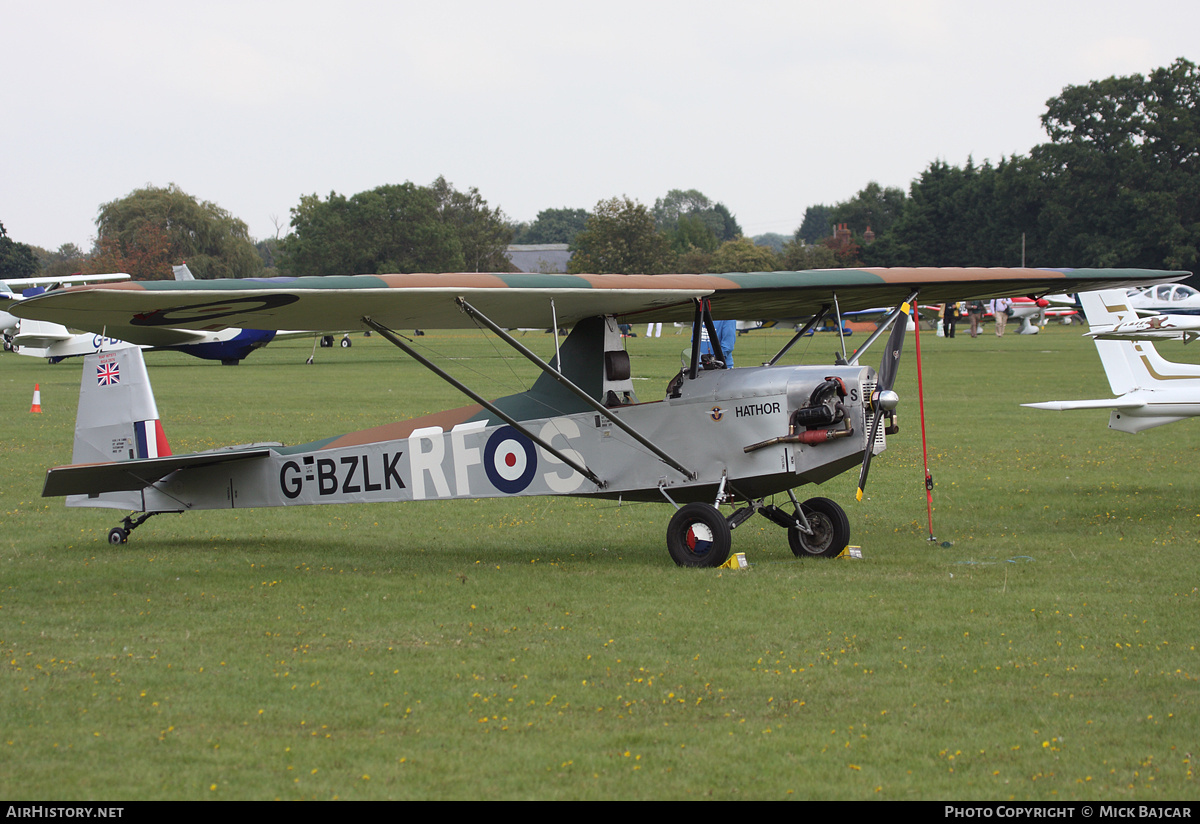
(768, 107)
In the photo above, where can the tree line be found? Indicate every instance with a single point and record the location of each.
(1117, 183)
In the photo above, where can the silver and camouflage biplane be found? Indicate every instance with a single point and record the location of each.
(714, 436)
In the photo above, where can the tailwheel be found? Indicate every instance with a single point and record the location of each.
(830, 530)
(698, 536)
(120, 534)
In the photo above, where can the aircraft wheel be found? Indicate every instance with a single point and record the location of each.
(698, 536)
(117, 536)
(346, 343)
(831, 530)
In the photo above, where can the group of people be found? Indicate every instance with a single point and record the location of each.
(975, 309)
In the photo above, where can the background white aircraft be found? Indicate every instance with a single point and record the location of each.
(1166, 299)
(1155, 327)
(1152, 390)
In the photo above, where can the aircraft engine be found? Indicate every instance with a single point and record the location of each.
(821, 409)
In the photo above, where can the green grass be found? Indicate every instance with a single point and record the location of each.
(548, 648)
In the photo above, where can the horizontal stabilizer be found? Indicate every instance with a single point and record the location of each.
(1187, 335)
(38, 334)
(129, 476)
(1099, 403)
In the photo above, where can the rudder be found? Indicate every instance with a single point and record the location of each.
(117, 418)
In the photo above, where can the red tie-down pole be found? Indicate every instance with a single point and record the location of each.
(921, 406)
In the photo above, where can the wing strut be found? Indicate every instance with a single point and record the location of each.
(881, 328)
(702, 320)
(813, 321)
(697, 322)
(461, 387)
(841, 329)
(574, 389)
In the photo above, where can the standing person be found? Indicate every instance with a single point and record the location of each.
(1000, 308)
(975, 314)
(949, 318)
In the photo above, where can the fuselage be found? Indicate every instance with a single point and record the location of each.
(467, 453)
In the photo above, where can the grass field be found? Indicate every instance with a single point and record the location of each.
(1044, 647)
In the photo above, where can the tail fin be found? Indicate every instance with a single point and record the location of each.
(117, 418)
(1130, 364)
(1153, 390)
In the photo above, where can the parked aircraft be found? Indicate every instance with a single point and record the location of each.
(716, 436)
(1166, 299)
(55, 342)
(9, 324)
(1152, 390)
(1034, 313)
(1154, 327)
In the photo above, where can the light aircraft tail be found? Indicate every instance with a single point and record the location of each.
(38, 334)
(1153, 390)
(1131, 364)
(117, 419)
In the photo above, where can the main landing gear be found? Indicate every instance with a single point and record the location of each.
(700, 536)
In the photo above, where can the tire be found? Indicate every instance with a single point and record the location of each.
(117, 536)
(698, 536)
(831, 530)
(346, 343)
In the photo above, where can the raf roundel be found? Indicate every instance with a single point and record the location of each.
(699, 538)
(510, 460)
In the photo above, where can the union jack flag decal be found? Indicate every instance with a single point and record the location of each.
(108, 374)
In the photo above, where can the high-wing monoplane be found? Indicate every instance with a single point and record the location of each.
(712, 437)
(1152, 390)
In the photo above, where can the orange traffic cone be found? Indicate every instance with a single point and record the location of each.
(37, 399)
